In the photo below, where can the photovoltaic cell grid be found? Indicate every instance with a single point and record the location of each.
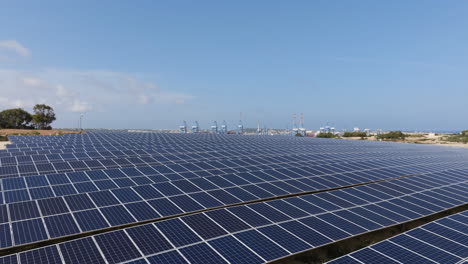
(443, 241)
(105, 159)
(278, 181)
(265, 231)
(33, 164)
(112, 201)
(97, 210)
(226, 160)
(177, 171)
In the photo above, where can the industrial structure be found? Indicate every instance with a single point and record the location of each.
(302, 130)
(195, 127)
(224, 129)
(183, 127)
(295, 129)
(240, 128)
(214, 128)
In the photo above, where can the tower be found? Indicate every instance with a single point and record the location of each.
(224, 129)
(302, 130)
(183, 127)
(195, 127)
(214, 128)
(240, 126)
(294, 127)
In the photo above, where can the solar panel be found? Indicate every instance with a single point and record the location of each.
(442, 241)
(108, 179)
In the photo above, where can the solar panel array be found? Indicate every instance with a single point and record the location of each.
(441, 241)
(212, 188)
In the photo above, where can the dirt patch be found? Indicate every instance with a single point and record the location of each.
(417, 138)
(7, 132)
(3, 144)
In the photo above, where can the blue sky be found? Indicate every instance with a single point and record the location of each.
(152, 64)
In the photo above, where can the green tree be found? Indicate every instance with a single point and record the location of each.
(326, 135)
(43, 116)
(355, 134)
(392, 135)
(15, 118)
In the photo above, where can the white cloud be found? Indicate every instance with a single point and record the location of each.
(79, 106)
(15, 46)
(61, 91)
(8, 102)
(32, 81)
(144, 99)
(82, 91)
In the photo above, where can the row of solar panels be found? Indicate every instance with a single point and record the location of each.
(207, 145)
(253, 233)
(443, 241)
(56, 217)
(21, 157)
(234, 163)
(187, 142)
(212, 161)
(83, 156)
(163, 138)
(275, 181)
(255, 149)
(79, 165)
(120, 197)
(156, 160)
(185, 148)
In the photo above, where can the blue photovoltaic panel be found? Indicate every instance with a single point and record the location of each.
(52, 206)
(171, 257)
(41, 193)
(202, 254)
(28, 231)
(265, 247)
(79, 202)
(23, 210)
(117, 247)
(125, 178)
(5, 236)
(126, 195)
(103, 198)
(284, 238)
(148, 239)
(309, 235)
(177, 232)
(234, 251)
(227, 220)
(117, 215)
(165, 207)
(142, 211)
(43, 255)
(435, 242)
(90, 220)
(61, 225)
(206, 200)
(81, 251)
(205, 227)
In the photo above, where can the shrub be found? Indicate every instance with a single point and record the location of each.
(392, 135)
(355, 134)
(326, 135)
